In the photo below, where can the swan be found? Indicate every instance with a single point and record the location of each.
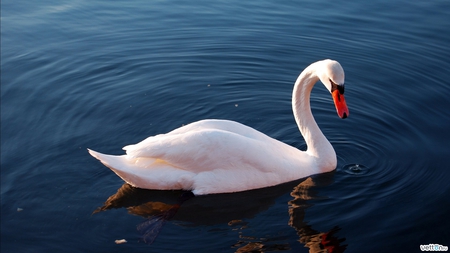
(221, 156)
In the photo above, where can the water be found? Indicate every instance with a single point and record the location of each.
(104, 74)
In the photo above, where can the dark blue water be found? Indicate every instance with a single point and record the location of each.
(104, 74)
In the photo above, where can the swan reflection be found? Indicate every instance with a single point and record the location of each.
(315, 240)
(232, 209)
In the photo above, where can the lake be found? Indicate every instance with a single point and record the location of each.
(105, 74)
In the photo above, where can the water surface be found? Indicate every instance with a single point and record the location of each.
(102, 74)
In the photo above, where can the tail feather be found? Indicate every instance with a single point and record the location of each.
(130, 170)
(109, 160)
(147, 173)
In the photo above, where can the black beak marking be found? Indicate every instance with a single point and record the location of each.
(335, 86)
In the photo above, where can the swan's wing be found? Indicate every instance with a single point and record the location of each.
(212, 144)
(205, 150)
(225, 125)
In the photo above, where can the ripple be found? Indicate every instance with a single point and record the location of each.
(105, 75)
(355, 169)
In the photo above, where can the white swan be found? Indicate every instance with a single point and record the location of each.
(220, 156)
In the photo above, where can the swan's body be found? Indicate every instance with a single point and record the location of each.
(219, 156)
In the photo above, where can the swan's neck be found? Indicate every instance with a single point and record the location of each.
(317, 144)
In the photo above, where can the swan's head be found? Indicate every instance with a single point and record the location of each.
(332, 76)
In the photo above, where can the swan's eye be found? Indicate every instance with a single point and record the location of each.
(335, 86)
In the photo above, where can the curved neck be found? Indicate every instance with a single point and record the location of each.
(317, 144)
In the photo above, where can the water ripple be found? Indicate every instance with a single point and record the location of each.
(107, 74)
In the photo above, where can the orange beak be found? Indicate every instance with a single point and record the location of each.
(341, 105)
